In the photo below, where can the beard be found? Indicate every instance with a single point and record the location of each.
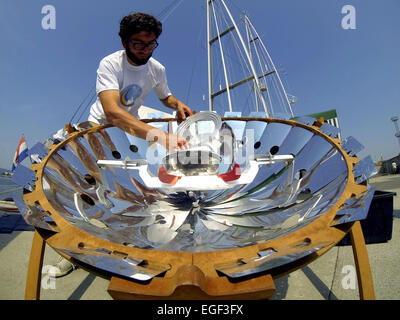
(135, 59)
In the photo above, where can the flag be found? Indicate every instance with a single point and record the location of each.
(20, 154)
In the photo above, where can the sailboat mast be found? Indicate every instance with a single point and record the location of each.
(258, 88)
(222, 60)
(210, 75)
(248, 22)
(263, 96)
(251, 57)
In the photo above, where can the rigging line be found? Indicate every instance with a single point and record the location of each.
(91, 101)
(246, 104)
(243, 59)
(247, 55)
(285, 79)
(160, 15)
(277, 73)
(268, 90)
(286, 106)
(261, 64)
(251, 57)
(194, 65)
(236, 6)
(239, 52)
(240, 55)
(233, 37)
(234, 59)
(230, 69)
(235, 42)
(259, 60)
(279, 94)
(231, 60)
(249, 37)
(223, 59)
(162, 12)
(168, 10)
(269, 98)
(81, 104)
(83, 101)
(218, 75)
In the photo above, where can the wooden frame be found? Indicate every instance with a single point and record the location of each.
(192, 284)
(194, 275)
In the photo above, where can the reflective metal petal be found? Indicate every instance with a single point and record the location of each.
(352, 146)
(356, 208)
(364, 169)
(330, 130)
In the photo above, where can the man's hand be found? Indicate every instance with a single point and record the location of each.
(173, 142)
(182, 112)
(176, 143)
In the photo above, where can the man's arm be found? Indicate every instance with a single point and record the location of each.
(129, 123)
(181, 108)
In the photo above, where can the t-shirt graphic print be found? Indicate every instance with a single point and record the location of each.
(130, 94)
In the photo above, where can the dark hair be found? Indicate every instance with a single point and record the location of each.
(137, 22)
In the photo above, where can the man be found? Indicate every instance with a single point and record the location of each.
(125, 77)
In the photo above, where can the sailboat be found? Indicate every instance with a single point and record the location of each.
(8, 205)
(21, 153)
(256, 192)
(255, 86)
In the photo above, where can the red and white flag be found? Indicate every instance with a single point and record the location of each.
(20, 154)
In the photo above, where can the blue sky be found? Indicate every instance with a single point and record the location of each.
(45, 74)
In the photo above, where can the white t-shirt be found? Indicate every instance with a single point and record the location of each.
(133, 82)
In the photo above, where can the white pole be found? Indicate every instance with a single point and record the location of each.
(223, 62)
(251, 57)
(273, 66)
(210, 82)
(248, 58)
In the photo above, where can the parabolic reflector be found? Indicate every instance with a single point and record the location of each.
(262, 189)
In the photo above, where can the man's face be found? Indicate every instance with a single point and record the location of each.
(141, 46)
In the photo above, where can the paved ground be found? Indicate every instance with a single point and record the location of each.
(324, 279)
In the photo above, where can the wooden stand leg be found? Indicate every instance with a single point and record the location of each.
(365, 281)
(190, 283)
(34, 276)
(121, 289)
